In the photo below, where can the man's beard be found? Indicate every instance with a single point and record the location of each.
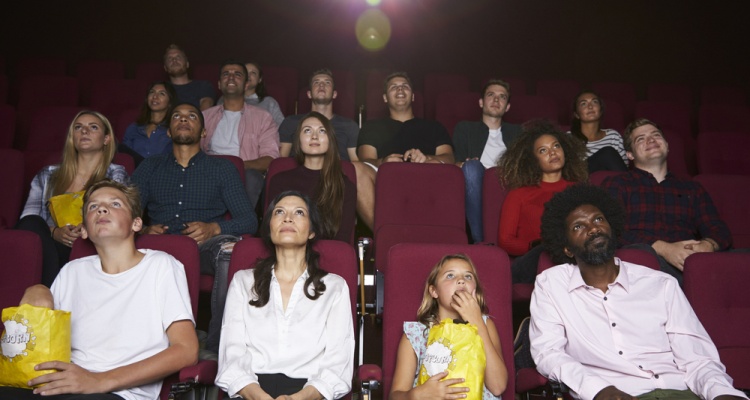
(185, 139)
(595, 254)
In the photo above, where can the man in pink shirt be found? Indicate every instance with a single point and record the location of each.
(239, 129)
(609, 329)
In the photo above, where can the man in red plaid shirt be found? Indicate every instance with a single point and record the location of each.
(669, 215)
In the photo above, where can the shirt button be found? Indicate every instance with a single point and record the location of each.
(656, 376)
(620, 352)
(605, 298)
(183, 170)
(640, 367)
(177, 215)
(180, 185)
(179, 202)
(614, 324)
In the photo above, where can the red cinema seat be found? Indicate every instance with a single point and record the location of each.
(563, 91)
(454, 107)
(724, 118)
(670, 92)
(437, 83)
(725, 190)
(621, 92)
(716, 154)
(525, 108)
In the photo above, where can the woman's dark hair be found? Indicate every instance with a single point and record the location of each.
(556, 211)
(575, 123)
(329, 191)
(260, 90)
(144, 117)
(519, 167)
(264, 267)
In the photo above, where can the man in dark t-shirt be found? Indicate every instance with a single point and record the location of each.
(198, 93)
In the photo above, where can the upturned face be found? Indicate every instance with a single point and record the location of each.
(290, 222)
(549, 153)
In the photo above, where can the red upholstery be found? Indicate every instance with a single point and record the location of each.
(453, 107)
(336, 257)
(524, 108)
(239, 165)
(111, 96)
(49, 128)
(7, 125)
(724, 118)
(716, 153)
(713, 94)
(681, 157)
(422, 203)
(614, 116)
(622, 93)
(345, 102)
(150, 71)
(671, 116)
(668, 92)
(411, 263)
(493, 196)
(34, 66)
(728, 193)
(716, 285)
(564, 92)
(281, 84)
(122, 120)
(437, 83)
(126, 160)
(207, 72)
(90, 71)
(42, 91)
(3, 88)
(20, 265)
(12, 183)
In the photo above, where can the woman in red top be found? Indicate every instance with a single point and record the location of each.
(540, 163)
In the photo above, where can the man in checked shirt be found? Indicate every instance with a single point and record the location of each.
(666, 214)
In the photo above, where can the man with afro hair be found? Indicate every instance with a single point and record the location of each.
(610, 329)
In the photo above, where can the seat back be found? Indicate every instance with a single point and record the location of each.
(670, 92)
(715, 94)
(7, 125)
(453, 107)
(12, 182)
(716, 286)
(621, 92)
(597, 177)
(90, 71)
(410, 265)
(493, 196)
(724, 118)
(49, 128)
(20, 265)
(671, 116)
(716, 155)
(725, 190)
(525, 108)
(437, 83)
(282, 84)
(564, 92)
(422, 203)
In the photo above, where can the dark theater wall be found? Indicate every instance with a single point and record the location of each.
(638, 41)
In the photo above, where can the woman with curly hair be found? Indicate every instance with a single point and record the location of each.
(604, 148)
(542, 162)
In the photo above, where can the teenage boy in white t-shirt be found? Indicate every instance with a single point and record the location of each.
(131, 319)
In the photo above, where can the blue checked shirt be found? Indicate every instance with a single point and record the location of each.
(203, 191)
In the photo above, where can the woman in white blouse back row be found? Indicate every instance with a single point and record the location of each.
(287, 326)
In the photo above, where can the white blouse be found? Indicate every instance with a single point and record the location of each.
(312, 339)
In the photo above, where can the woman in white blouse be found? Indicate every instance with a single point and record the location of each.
(287, 330)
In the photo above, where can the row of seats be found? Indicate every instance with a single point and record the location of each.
(713, 284)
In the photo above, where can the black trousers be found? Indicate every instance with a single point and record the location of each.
(12, 393)
(279, 384)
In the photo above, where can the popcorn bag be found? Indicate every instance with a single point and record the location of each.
(458, 349)
(32, 335)
(66, 208)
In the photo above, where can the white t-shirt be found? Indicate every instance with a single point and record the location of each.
(312, 339)
(226, 140)
(118, 319)
(493, 149)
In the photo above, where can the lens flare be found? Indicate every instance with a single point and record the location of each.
(373, 30)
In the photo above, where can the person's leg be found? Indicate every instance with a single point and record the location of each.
(365, 193)
(606, 159)
(254, 181)
(667, 394)
(474, 176)
(215, 254)
(54, 254)
(14, 393)
(523, 269)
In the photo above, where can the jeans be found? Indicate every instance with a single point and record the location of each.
(254, 182)
(474, 177)
(215, 260)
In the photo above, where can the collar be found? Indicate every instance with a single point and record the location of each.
(302, 277)
(645, 174)
(576, 280)
(196, 158)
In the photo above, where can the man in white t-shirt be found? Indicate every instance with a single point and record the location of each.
(478, 145)
(239, 129)
(131, 318)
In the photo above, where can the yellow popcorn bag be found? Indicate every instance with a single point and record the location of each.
(66, 208)
(32, 335)
(457, 348)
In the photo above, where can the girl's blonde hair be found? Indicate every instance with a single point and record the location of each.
(428, 310)
(64, 176)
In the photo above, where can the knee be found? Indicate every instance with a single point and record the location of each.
(473, 169)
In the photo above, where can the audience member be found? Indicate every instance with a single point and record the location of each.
(320, 176)
(609, 329)
(242, 130)
(86, 159)
(112, 300)
(452, 291)
(147, 136)
(190, 193)
(198, 93)
(479, 144)
(255, 93)
(321, 94)
(542, 162)
(399, 138)
(668, 215)
(305, 348)
(604, 147)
